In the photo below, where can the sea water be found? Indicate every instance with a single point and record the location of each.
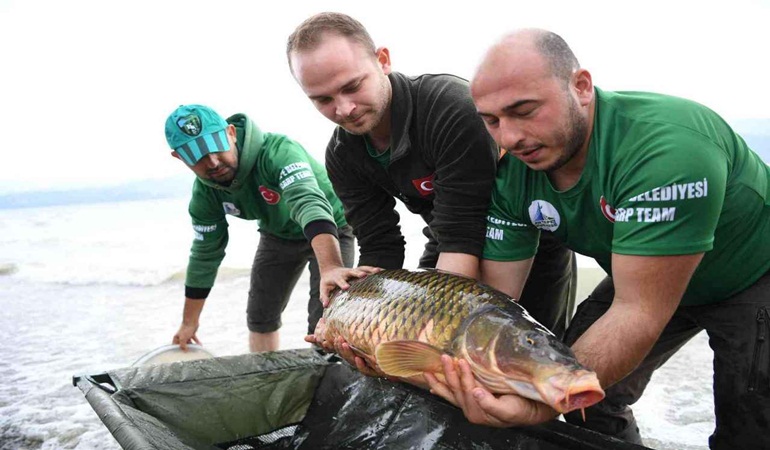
(89, 288)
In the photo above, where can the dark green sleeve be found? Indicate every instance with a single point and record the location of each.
(293, 170)
(210, 238)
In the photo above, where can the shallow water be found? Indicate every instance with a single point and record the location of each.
(123, 298)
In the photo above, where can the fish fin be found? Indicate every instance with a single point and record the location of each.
(363, 355)
(408, 358)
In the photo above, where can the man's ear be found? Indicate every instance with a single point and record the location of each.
(230, 130)
(383, 59)
(176, 155)
(584, 86)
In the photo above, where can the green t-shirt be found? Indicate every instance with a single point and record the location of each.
(383, 158)
(663, 176)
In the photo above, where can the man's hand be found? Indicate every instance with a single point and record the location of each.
(186, 335)
(479, 405)
(341, 348)
(366, 367)
(190, 321)
(337, 277)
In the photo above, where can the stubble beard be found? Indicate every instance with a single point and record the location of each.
(227, 179)
(575, 131)
(377, 112)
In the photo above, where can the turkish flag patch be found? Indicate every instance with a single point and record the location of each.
(270, 196)
(607, 210)
(424, 185)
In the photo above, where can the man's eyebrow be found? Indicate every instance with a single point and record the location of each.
(517, 104)
(352, 82)
(347, 85)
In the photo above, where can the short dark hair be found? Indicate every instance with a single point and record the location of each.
(310, 32)
(555, 50)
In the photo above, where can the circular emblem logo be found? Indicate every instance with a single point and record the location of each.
(270, 196)
(544, 215)
(190, 124)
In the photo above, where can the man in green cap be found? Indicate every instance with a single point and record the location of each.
(266, 177)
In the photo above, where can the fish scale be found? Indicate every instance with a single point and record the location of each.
(401, 303)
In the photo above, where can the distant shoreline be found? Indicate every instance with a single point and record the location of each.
(180, 185)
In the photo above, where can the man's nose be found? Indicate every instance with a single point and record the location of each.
(511, 134)
(345, 107)
(211, 160)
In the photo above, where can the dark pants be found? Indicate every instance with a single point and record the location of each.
(549, 294)
(739, 334)
(277, 266)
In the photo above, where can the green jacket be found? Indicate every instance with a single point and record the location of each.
(278, 184)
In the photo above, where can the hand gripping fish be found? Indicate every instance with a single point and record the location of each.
(405, 320)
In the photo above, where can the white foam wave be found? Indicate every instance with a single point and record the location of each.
(106, 275)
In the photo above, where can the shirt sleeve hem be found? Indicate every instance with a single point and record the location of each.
(507, 257)
(317, 227)
(667, 250)
(196, 292)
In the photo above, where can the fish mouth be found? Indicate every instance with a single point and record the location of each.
(575, 391)
(563, 392)
(580, 400)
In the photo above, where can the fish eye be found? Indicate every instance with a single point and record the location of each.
(529, 340)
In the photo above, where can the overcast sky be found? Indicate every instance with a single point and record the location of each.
(85, 86)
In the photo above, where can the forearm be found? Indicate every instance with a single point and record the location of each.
(327, 251)
(459, 263)
(508, 277)
(617, 342)
(648, 290)
(192, 310)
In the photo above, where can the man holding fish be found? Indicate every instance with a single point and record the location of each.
(419, 140)
(669, 201)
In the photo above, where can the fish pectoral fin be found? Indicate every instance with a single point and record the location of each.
(363, 355)
(408, 358)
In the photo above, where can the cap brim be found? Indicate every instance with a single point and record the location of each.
(201, 146)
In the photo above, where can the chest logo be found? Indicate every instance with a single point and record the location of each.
(424, 185)
(231, 209)
(544, 215)
(271, 197)
(607, 209)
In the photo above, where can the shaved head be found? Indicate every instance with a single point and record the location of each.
(542, 47)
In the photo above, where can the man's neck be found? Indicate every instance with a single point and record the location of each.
(567, 176)
(379, 137)
(380, 145)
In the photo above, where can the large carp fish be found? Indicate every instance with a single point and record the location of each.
(405, 320)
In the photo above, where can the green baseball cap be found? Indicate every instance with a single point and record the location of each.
(194, 131)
